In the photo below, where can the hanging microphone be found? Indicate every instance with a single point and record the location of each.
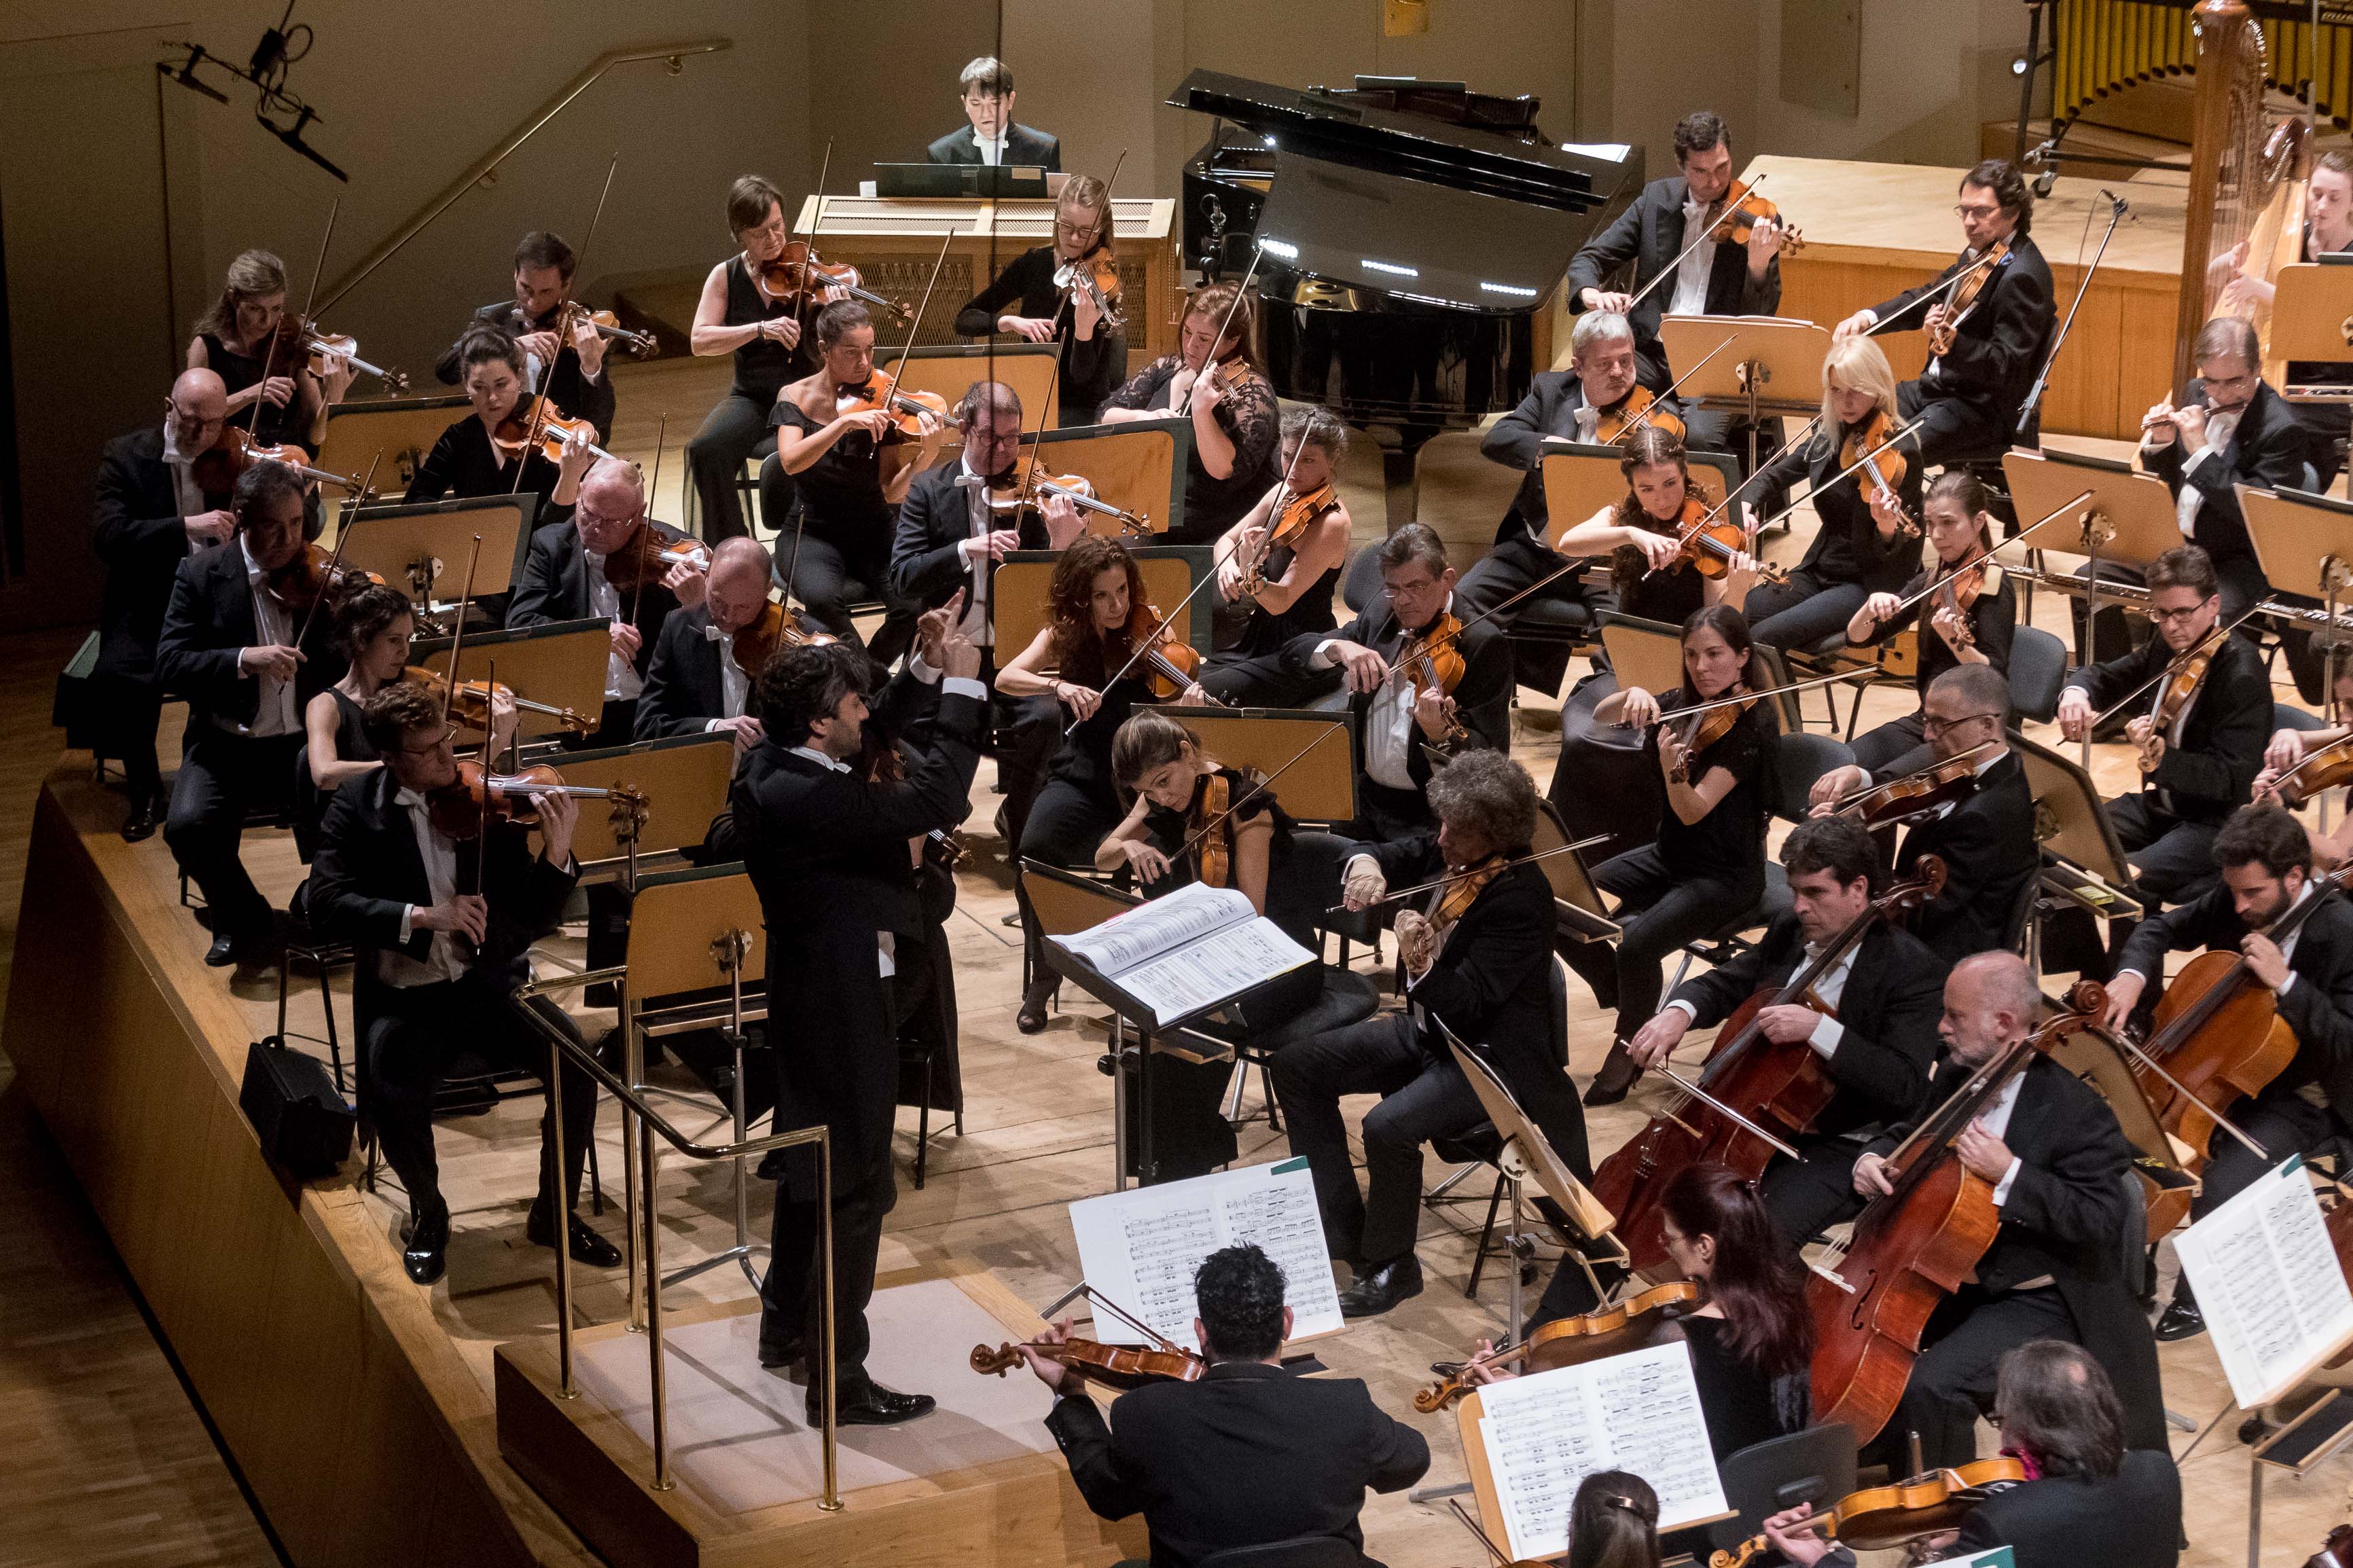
(2118, 203)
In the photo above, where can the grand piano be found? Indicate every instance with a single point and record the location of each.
(1408, 239)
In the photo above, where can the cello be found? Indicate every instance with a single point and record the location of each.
(1912, 1248)
(1748, 1087)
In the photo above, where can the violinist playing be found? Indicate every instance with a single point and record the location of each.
(1250, 1455)
(1709, 854)
(564, 359)
(477, 455)
(1970, 618)
(228, 647)
(1087, 659)
(2049, 1147)
(707, 656)
(248, 340)
(1477, 956)
(1280, 565)
(1988, 331)
(1593, 403)
(851, 463)
(2216, 705)
(441, 917)
(1656, 577)
(2087, 1501)
(1982, 830)
(1039, 297)
(1868, 541)
(2267, 874)
(1215, 380)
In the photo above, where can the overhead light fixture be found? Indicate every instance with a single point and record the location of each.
(281, 112)
(2020, 66)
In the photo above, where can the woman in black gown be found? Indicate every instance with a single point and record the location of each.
(238, 341)
(1233, 413)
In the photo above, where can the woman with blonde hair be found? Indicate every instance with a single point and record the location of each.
(1867, 540)
(1027, 302)
(237, 340)
(1215, 378)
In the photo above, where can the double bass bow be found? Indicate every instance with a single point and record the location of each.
(1749, 1094)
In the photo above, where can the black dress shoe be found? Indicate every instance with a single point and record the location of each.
(1617, 1075)
(424, 1245)
(873, 1406)
(2182, 1319)
(144, 818)
(1376, 1290)
(223, 952)
(587, 1247)
(1032, 1019)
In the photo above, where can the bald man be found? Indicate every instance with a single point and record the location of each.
(563, 579)
(149, 516)
(2050, 1148)
(695, 683)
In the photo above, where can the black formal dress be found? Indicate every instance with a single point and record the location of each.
(1900, 744)
(1024, 145)
(464, 466)
(311, 801)
(239, 753)
(827, 852)
(571, 389)
(1250, 418)
(1972, 394)
(835, 535)
(737, 425)
(1248, 1456)
(424, 999)
(277, 425)
(1091, 368)
(561, 580)
(1252, 670)
(140, 534)
(1850, 559)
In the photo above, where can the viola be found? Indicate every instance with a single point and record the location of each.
(880, 394)
(1959, 593)
(476, 798)
(1778, 1088)
(472, 702)
(1882, 469)
(216, 467)
(312, 574)
(1169, 665)
(883, 763)
(1878, 1517)
(1433, 658)
(1213, 802)
(1114, 1366)
(540, 426)
(1912, 1248)
(2329, 766)
(1630, 413)
(1744, 209)
(1941, 336)
(1703, 729)
(1465, 885)
(1095, 275)
(1292, 521)
(1915, 794)
(800, 278)
(1030, 491)
(1631, 1325)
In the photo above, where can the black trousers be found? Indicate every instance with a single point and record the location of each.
(1954, 430)
(1802, 611)
(129, 712)
(2173, 858)
(412, 1039)
(1267, 681)
(1659, 911)
(792, 1297)
(1807, 1195)
(1893, 742)
(223, 777)
(735, 428)
(1422, 1097)
(2279, 1120)
(828, 575)
(1513, 567)
(1952, 1382)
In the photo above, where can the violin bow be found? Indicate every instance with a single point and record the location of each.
(269, 354)
(2219, 636)
(1989, 258)
(536, 427)
(458, 636)
(342, 537)
(1257, 252)
(1939, 579)
(1449, 881)
(1255, 790)
(914, 322)
(816, 221)
(1706, 233)
(1795, 686)
(1648, 413)
(1502, 1559)
(1858, 465)
(637, 586)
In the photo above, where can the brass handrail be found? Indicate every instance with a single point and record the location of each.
(672, 55)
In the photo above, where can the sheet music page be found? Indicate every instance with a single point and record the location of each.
(1639, 1412)
(1215, 968)
(1142, 1248)
(1132, 936)
(2269, 1283)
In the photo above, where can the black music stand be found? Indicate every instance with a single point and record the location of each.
(558, 668)
(2312, 319)
(424, 548)
(2084, 862)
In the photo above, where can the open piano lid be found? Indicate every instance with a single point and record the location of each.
(1409, 205)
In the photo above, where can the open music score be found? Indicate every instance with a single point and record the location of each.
(2270, 1285)
(1192, 949)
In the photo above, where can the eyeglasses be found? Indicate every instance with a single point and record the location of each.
(2167, 617)
(1931, 725)
(1391, 594)
(439, 743)
(1062, 226)
(1965, 211)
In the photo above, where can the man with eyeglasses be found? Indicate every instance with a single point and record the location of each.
(441, 925)
(1985, 837)
(1027, 301)
(1971, 393)
(2202, 768)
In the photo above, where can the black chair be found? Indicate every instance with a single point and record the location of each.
(303, 941)
(1816, 1466)
(1362, 581)
(2038, 672)
(2287, 716)
(1299, 1551)
(1347, 998)
(1482, 1146)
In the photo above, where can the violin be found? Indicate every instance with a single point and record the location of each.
(1704, 729)
(880, 394)
(1630, 413)
(540, 426)
(1464, 886)
(800, 278)
(1031, 490)
(1884, 470)
(1569, 1342)
(477, 797)
(2183, 676)
(2329, 766)
(297, 336)
(1959, 593)
(1744, 209)
(1437, 653)
(776, 629)
(1774, 1085)
(1915, 794)
(1169, 665)
(650, 554)
(1709, 542)
(1114, 1366)
(312, 574)
(1911, 1247)
(472, 702)
(1216, 868)
(1941, 336)
(215, 468)
(606, 325)
(1878, 1517)
(1095, 275)
(1292, 521)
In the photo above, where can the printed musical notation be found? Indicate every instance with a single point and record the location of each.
(2270, 1285)
(1142, 1248)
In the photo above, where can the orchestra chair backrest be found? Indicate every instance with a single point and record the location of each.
(1066, 904)
(1648, 654)
(401, 428)
(393, 540)
(675, 920)
(1300, 1551)
(561, 664)
(1319, 782)
(1816, 1466)
(1361, 583)
(2071, 819)
(1567, 873)
(1800, 760)
(1766, 670)
(1137, 467)
(1024, 576)
(2038, 670)
(683, 778)
(950, 369)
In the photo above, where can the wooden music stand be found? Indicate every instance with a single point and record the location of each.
(2084, 862)
(950, 369)
(2312, 319)
(1315, 751)
(561, 664)
(402, 429)
(1580, 479)
(1170, 571)
(684, 780)
(2304, 542)
(422, 550)
(1576, 902)
(1772, 365)
(1137, 467)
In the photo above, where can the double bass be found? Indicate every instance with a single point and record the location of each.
(1773, 1088)
(1914, 1247)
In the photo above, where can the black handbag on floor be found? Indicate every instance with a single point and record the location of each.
(303, 1121)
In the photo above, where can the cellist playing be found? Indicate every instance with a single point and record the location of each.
(2268, 876)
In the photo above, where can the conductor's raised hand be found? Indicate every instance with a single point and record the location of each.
(932, 628)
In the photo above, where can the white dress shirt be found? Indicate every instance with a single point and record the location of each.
(979, 624)
(1827, 989)
(273, 627)
(442, 960)
(2219, 428)
(734, 686)
(992, 153)
(1389, 726)
(186, 493)
(622, 683)
(1690, 297)
(1995, 1119)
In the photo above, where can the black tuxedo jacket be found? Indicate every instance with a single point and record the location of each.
(1023, 145)
(368, 871)
(827, 852)
(1517, 442)
(1250, 1455)
(684, 689)
(138, 533)
(567, 385)
(1894, 994)
(1998, 347)
(2066, 1217)
(2269, 449)
(2129, 1520)
(1649, 234)
(2213, 773)
(210, 622)
(1482, 698)
(2318, 1006)
(926, 563)
(555, 587)
(1987, 843)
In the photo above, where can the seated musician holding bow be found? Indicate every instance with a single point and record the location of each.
(564, 353)
(1284, 589)
(706, 656)
(2296, 940)
(1093, 354)
(1248, 1454)
(472, 457)
(1655, 576)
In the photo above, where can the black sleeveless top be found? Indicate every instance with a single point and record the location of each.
(840, 496)
(352, 745)
(1266, 631)
(762, 365)
(1170, 829)
(240, 371)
